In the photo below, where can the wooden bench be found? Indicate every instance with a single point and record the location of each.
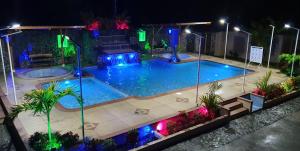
(39, 60)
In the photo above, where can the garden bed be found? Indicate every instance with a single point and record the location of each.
(281, 99)
(171, 137)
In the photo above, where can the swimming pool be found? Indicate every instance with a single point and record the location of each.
(150, 78)
(154, 77)
(93, 92)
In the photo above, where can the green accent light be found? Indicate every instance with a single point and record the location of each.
(142, 35)
(147, 46)
(65, 42)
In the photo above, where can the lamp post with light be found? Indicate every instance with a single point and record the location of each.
(188, 31)
(246, 56)
(295, 49)
(223, 21)
(13, 26)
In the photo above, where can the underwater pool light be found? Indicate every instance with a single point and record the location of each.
(226, 66)
(108, 58)
(67, 82)
(131, 56)
(120, 56)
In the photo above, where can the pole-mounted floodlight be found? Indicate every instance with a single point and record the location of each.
(223, 21)
(296, 43)
(14, 26)
(238, 29)
(188, 31)
(287, 26)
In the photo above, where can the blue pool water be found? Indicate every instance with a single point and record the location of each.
(149, 78)
(93, 90)
(155, 77)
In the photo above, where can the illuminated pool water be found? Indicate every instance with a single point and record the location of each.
(155, 77)
(94, 92)
(149, 78)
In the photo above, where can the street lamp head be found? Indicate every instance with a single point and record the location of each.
(271, 25)
(15, 25)
(222, 21)
(188, 31)
(287, 26)
(237, 29)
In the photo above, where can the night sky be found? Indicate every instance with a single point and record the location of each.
(67, 12)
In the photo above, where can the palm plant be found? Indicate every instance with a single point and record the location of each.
(262, 86)
(41, 101)
(211, 99)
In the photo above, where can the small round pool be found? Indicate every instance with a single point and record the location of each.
(181, 56)
(45, 72)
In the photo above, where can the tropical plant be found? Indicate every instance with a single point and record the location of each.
(41, 101)
(211, 99)
(262, 85)
(288, 59)
(288, 85)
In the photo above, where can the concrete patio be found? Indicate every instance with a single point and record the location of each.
(108, 120)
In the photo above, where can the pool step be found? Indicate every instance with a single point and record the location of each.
(238, 113)
(233, 106)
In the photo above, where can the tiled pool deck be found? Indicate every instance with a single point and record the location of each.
(107, 120)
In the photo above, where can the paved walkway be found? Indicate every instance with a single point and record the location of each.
(280, 136)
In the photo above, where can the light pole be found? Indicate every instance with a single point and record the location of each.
(270, 48)
(246, 56)
(3, 68)
(295, 49)
(13, 26)
(188, 31)
(10, 63)
(223, 21)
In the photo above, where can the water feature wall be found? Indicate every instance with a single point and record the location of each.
(118, 59)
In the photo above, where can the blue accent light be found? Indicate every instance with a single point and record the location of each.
(120, 56)
(108, 58)
(170, 31)
(144, 131)
(131, 56)
(67, 82)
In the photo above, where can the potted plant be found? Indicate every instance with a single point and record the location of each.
(41, 101)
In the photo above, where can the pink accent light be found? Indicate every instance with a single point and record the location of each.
(203, 111)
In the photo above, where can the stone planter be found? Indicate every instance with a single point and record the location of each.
(166, 141)
(281, 99)
(254, 102)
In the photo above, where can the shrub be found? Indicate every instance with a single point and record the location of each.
(171, 126)
(211, 99)
(109, 144)
(39, 140)
(276, 90)
(132, 137)
(69, 139)
(287, 60)
(288, 85)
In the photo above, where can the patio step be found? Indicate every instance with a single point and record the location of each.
(228, 101)
(238, 113)
(233, 106)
